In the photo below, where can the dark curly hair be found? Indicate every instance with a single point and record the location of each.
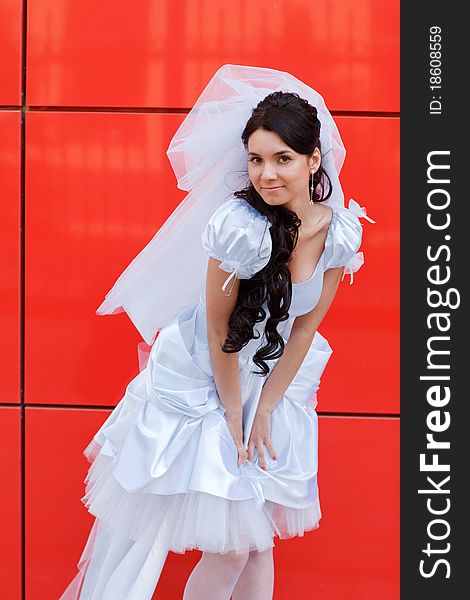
(297, 124)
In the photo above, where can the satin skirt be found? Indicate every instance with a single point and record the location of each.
(164, 474)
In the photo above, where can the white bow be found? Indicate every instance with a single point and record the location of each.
(356, 262)
(358, 210)
(353, 265)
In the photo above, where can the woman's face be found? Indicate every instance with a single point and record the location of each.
(279, 174)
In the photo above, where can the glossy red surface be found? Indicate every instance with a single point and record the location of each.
(11, 12)
(353, 554)
(10, 171)
(10, 503)
(363, 324)
(99, 186)
(161, 53)
(57, 522)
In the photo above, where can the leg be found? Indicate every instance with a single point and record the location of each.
(256, 581)
(214, 576)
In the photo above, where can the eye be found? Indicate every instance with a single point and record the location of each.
(282, 159)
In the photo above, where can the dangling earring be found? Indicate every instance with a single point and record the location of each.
(311, 188)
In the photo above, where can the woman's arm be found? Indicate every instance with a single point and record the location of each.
(300, 340)
(219, 307)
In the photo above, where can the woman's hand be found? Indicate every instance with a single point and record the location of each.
(261, 437)
(235, 426)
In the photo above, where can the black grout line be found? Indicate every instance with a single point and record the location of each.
(106, 109)
(173, 110)
(320, 413)
(22, 297)
(359, 415)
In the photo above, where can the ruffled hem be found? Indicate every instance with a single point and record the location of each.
(196, 520)
(133, 532)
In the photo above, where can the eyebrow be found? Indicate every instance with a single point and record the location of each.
(275, 154)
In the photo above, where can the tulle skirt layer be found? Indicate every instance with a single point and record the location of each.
(132, 533)
(195, 520)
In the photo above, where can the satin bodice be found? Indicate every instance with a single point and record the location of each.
(306, 294)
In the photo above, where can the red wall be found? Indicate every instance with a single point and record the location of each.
(90, 95)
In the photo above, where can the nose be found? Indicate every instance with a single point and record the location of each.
(268, 173)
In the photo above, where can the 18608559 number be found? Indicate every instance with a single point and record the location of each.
(435, 56)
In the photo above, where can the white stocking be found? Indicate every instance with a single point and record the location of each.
(214, 576)
(256, 581)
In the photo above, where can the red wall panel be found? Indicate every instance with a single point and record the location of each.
(57, 522)
(161, 53)
(10, 144)
(98, 187)
(10, 503)
(355, 552)
(11, 14)
(363, 324)
(353, 555)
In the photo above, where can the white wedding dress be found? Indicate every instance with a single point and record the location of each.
(164, 472)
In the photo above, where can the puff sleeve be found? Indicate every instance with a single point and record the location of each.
(238, 236)
(344, 239)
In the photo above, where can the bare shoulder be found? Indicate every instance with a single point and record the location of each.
(325, 214)
(319, 220)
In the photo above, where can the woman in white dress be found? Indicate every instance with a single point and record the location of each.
(214, 444)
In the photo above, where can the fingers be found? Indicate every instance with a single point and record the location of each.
(259, 445)
(242, 455)
(261, 459)
(251, 450)
(270, 448)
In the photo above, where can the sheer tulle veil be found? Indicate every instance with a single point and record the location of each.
(210, 163)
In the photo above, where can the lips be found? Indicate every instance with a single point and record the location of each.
(273, 188)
